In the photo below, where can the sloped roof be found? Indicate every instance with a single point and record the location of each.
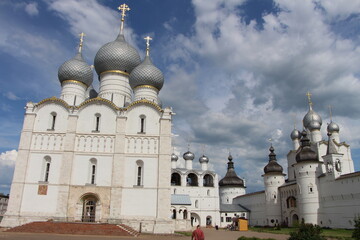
(180, 199)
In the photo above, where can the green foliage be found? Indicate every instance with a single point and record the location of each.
(253, 238)
(356, 232)
(307, 232)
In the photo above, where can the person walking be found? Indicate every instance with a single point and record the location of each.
(198, 234)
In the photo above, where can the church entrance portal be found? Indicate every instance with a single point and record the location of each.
(89, 209)
(295, 220)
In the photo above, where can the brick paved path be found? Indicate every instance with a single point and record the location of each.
(210, 234)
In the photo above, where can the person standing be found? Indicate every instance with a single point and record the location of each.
(198, 234)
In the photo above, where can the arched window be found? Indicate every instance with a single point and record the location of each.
(192, 180)
(52, 120)
(47, 163)
(142, 123)
(185, 214)
(175, 179)
(93, 169)
(139, 172)
(291, 202)
(208, 192)
(97, 122)
(208, 181)
(196, 204)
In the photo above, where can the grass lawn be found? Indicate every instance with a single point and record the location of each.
(341, 234)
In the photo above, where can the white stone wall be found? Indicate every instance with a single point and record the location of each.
(228, 193)
(255, 202)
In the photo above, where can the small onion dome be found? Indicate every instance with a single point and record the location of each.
(312, 120)
(116, 55)
(231, 179)
(295, 134)
(203, 159)
(189, 156)
(146, 74)
(76, 69)
(273, 166)
(306, 153)
(174, 157)
(333, 127)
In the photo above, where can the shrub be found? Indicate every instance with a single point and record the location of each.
(308, 232)
(356, 232)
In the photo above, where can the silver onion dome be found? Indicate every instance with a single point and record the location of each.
(203, 159)
(333, 127)
(76, 69)
(174, 157)
(188, 156)
(314, 125)
(311, 117)
(146, 74)
(116, 55)
(295, 134)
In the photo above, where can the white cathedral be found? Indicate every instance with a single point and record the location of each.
(106, 157)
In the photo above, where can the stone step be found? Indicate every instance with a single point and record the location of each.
(75, 228)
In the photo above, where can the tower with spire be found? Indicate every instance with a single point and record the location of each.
(273, 179)
(231, 185)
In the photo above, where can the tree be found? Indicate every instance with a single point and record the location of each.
(356, 232)
(307, 232)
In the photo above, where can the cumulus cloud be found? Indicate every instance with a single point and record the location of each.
(32, 9)
(8, 158)
(243, 84)
(7, 164)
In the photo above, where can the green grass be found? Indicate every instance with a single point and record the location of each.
(341, 234)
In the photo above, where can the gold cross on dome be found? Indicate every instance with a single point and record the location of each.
(81, 41)
(148, 38)
(123, 8)
(308, 94)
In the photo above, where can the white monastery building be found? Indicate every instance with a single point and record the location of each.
(321, 186)
(106, 157)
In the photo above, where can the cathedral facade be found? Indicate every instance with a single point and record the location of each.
(321, 186)
(93, 157)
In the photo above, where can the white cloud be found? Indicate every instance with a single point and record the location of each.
(11, 96)
(8, 158)
(32, 9)
(236, 84)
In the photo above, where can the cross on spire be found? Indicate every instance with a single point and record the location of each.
(308, 94)
(81, 41)
(123, 8)
(330, 110)
(148, 39)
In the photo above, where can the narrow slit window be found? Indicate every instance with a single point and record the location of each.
(93, 171)
(47, 171)
(97, 122)
(139, 176)
(142, 124)
(139, 173)
(53, 120)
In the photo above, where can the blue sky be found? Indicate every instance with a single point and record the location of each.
(236, 72)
